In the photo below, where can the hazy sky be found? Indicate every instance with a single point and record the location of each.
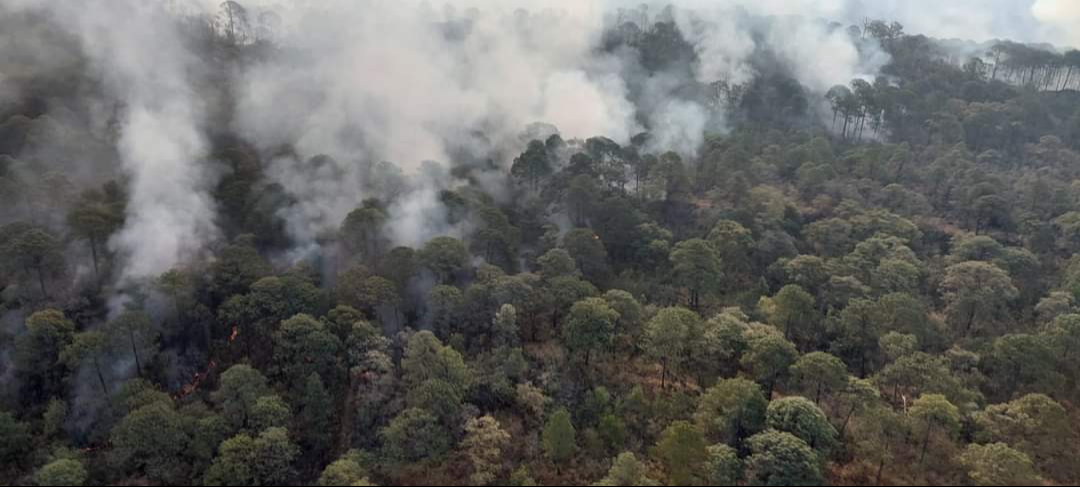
(1052, 21)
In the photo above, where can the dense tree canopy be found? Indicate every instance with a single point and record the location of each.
(758, 279)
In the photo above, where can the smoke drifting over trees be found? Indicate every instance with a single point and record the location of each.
(493, 241)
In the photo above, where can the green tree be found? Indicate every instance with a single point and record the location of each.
(153, 439)
(1034, 424)
(1023, 363)
(768, 357)
(936, 413)
(780, 459)
(444, 256)
(15, 435)
(793, 311)
(731, 411)
(239, 391)
(303, 346)
(557, 263)
(697, 267)
(445, 305)
(39, 354)
(723, 466)
(270, 412)
(682, 450)
(997, 464)
(36, 252)
(879, 435)
(733, 244)
(61, 472)
(590, 327)
(316, 414)
(237, 267)
(343, 472)
(52, 422)
(820, 374)
(631, 313)
(532, 165)
(264, 460)
(976, 295)
(667, 338)
(627, 470)
(589, 253)
(274, 457)
(802, 418)
(559, 438)
(857, 330)
(135, 332)
(94, 219)
(426, 358)
(90, 347)
(361, 232)
(414, 435)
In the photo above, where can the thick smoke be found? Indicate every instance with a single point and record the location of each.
(135, 48)
(406, 82)
(1062, 17)
(357, 84)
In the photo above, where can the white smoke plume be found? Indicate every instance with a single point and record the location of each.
(408, 81)
(402, 82)
(135, 48)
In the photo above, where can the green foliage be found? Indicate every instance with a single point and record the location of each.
(682, 450)
(590, 326)
(16, 436)
(697, 267)
(723, 466)
(62, 472)
(413, 435)
(802, 418)
(303, 346)
(901, 278)
(668, 338)
(153, 439)
(239, 392)
(779, 458)
(444, 256)
(264, 460)
(426, 358)
(559, 437)
(731, 411)
(997, 464)
(269, 412)
(627, 470)
(820, 374)
(342, 473)
(768, 357)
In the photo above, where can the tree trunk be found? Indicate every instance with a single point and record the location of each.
(94, 255)
(41, 282)
(663, 374)
(926, 441)
(970, 321)
(101, 378)
(847, 420)
(880, 471)
(135, 352)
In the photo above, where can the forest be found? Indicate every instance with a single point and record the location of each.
(228, 258)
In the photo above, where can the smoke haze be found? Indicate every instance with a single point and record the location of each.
(357, 84)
